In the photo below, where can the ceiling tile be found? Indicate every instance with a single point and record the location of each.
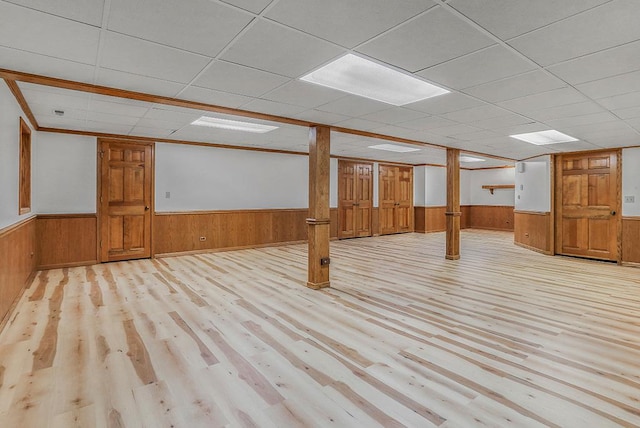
(322, 117)
(516, 87)
(71, 100)
(430, 122)
(360, 124)
(610, 25)
(474, 114)
(569, 110)
(611, 62)
(631, 99)
(136, 56)
(394, 115)
(303, 94)
(120, 108)
(346, 23)
(86, 11)
(210, 96)
(142, 131)
(255, 6)
(502, 121)
(434, 37)
(38, 32)
(272, 107)
(610, 86)
(567, 122)
(108, 118)
(182, 24)
(237, 79)
(543, 100)
(493, 63)
(451, 131)
(272, 47)
(509, 18)
(42, 110)
(135, 82)
(628, 113)
(28, 62)
(444, 103)
(353, 106)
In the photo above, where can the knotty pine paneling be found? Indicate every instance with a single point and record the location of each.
(17, 262)
(630, 239)
(490, 217)
(181, 232)
(66, 240)
(532, 230)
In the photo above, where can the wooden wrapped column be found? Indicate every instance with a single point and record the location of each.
(318, 221)
(453, 204)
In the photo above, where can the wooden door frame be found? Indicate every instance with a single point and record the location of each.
(152, 212)
(556, 200)
(355, 162)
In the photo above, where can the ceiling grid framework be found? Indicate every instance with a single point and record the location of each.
(512, 66)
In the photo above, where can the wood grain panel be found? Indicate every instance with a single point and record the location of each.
(17, 262)
(533, 230)
(66, 240)
(419, 219)
(465, 211)
(630, 239)
(490, 217)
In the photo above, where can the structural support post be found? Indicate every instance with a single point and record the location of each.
(453, 204)
(319, 220)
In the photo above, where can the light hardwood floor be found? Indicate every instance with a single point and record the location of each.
(501, 337)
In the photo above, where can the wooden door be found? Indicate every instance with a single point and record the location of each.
(588, 205)
(395, 194)
(125, 200)
(355, 202)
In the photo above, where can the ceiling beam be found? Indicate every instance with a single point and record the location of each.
(17, 93)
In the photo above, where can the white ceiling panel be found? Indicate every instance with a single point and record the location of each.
(493, 63)
(628, 113)
(432, 38)
(120, 108)
(238, 79)
(108, 118)
(63, 101)
(85, 11)
(354, 106)
(184, 24)
(346, 23)
(475, 114)
(142, 131)
(544, 100)
(609, 25)
(272, 107)
(44, 110)
(617, 85)
(304, 94)
(453, 130)
(277, 49)
(210, 96)
(255, 6)
(569, 110)
(29, 30)
(394, 115)
(429, 122)
(360, 124)
(445, 103)
(318, 116)
(611, 62)
(135, 82)
(516, 87)
(131, 55)
(631, 99)
(567, 122)
(509, 18)
(28, 62)
(502, 121)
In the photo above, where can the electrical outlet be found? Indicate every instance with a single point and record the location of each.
(325, 261)
(629, 199)
(203, 238)
(167, 195)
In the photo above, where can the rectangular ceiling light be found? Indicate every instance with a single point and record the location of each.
(368, 79)
(394, 148)
(234, 125)
(470, 159)
(542, 138)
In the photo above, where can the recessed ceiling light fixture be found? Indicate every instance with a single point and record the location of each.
(368, 79)
(234, 125)
(394, 148)
(542, 138)
(470, 159)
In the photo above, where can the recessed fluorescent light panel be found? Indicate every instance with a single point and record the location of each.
(470, 159)
(394, 148)
(234, 125)
(542, 138)
(368, 79)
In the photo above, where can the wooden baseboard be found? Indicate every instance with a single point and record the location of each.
(220, 250)
(68, 265)
(529, 247)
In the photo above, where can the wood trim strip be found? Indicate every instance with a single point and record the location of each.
(631, 218)
(17, 93)
(243, 211)
(537, 250)
(542, 213)
(63, 216)
(8, 229)
(68, 265)
(225, 249)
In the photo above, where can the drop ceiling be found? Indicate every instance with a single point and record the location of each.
(512, 66)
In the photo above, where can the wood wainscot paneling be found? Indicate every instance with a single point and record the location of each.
(419, 219)
(631, 240)
(17, 263)
(490, 217)
(532, 230)
(201, 231)
(66, 240)
(465, 211)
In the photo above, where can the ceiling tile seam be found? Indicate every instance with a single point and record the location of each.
(106, 11)
(236, 7)
(51, 14)
(567, 61)
(13, 48)
(227, 47)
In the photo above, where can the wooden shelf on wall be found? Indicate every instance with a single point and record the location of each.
(493, 187)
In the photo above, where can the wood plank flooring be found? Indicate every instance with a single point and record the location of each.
(502, 337)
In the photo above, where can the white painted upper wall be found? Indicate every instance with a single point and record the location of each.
(631, 181)
(435, 186)
(533, 185)
(209, 178)
(10, 113)
(480, 196)
(465, 186)
(65, 174)
(419, 189)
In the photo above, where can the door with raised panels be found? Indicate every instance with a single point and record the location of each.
(125, 200)
(395, 195)
(588, 205)
(355, 201)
